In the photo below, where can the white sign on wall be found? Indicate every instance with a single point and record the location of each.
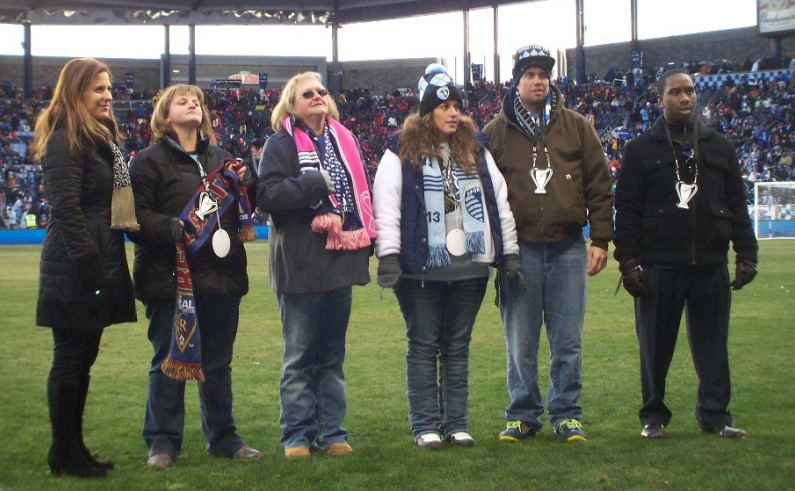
(776, 16)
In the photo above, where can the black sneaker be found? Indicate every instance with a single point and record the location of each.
(570, 430)
(517, 431)
(653, 430)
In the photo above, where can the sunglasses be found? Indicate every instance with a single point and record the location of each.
(311, 93)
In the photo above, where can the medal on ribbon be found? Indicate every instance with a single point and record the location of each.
(685, 191)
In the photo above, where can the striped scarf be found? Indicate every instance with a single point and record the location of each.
(359, 230)
(521, 116)
(469, 194)
(184, 357)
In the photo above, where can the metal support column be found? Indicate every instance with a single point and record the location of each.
(633, 12)
(467, 59)
(579, 13)
(335, 59)
(28, 75)
(192, 55)
(496, 51)
(167, 60)
(775, 50)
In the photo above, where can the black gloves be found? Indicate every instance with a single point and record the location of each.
(511, 272)
(389, 271)
(744, 273)
(634, 278)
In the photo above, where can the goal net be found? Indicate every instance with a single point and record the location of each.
(773, 211)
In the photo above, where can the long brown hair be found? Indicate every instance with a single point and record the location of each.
(286, 103)
(160, 125)
(84, 132)
(419, 139)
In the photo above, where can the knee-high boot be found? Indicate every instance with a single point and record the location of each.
(81, 405)
(65, 455)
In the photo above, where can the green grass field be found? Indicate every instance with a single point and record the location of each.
(615, 457)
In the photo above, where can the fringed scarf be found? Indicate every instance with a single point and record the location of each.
(122, 203)
(470, 196)
(518, 113)
(201, 221)
(350, 226)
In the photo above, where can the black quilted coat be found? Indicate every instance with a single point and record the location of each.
(164, 180)
(84, 279)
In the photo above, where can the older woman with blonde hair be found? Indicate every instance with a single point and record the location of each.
(442, 217)
(313, 183)
(85, 283)
(166, 177)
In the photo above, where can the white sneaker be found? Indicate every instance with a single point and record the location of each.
(461, 438)
(430, 441)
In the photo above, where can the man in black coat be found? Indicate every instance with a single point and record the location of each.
(679, 200)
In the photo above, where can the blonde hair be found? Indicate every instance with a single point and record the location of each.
(286, 103)
(84, 132)
(161, 126)
(420, 138)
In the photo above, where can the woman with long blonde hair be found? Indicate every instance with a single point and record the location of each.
(85, 282)
(442, 217)
(166, 177)
(313, 182)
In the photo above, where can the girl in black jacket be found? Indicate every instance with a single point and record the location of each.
(85, 283)
(165, 178)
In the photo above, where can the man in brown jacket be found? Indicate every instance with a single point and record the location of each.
(557, 183)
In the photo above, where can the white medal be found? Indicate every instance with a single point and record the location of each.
(685, 193)
(541, 178)
(456, 242)
(221, 242)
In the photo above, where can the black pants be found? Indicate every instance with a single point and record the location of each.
(705, 294)
(74, 353)
(67, 387)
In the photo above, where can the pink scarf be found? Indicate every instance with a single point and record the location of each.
(331, 223)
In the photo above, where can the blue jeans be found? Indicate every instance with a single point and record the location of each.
(165, 404)
(439, 319)
(312, 388)
(555, 296)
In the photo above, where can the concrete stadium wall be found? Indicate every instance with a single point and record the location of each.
(736, 44)
(381, 76)
(148, 72)
(279, 68)
(47, 68)
(378, 76)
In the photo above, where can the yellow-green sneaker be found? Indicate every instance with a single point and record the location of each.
(517, 431)
(570, 430)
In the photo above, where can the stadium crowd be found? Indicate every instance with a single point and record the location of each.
(756, 115)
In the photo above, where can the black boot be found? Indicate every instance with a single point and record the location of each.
(65, 455)
(81, 404)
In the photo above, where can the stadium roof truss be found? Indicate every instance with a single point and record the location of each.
(224, 12)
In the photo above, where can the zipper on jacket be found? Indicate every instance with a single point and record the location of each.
(693, 235)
